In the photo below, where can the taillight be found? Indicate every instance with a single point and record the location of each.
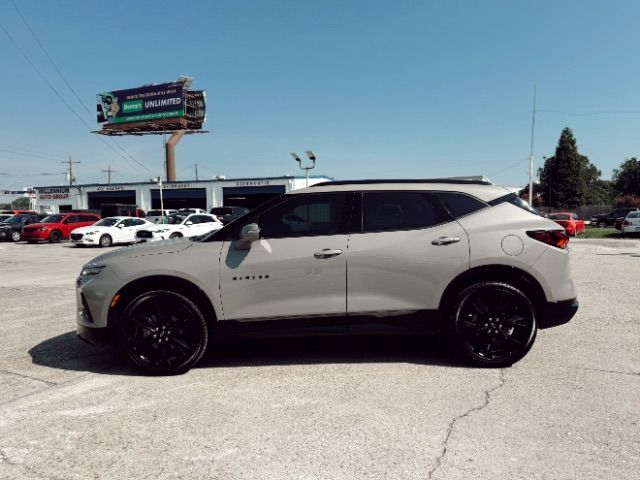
(555, 238)
(626, 223)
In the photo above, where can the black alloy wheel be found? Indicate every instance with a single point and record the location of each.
(105, 240)
(163, 332)
(15, 236)
(493, 324)
(601, 224)
(55, 237)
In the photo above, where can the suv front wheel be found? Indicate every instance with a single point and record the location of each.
(163, 332)
(492, 324)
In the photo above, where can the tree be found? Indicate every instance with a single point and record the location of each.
(22, 203)
(569, 179)
(626, 179)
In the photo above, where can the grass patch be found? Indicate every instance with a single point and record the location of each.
(595, 232)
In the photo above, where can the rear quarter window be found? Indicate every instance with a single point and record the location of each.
(459, 204)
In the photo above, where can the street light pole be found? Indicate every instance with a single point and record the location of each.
(312, 157)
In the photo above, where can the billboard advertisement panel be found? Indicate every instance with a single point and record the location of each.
(143, 104)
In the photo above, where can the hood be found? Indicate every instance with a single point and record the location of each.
(90, 228)
(164, 247)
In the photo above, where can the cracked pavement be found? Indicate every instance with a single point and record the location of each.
(366, 408)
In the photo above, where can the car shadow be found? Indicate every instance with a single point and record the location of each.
(68, 352)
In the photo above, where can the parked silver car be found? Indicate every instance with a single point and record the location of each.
(467, 258)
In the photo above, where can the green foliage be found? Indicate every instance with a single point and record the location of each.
(22, 203)
(569, 179)
(626, 179)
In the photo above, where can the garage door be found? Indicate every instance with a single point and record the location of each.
(180, 198)
(97, 199)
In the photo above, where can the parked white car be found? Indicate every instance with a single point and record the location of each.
(466, 258)
(180, 225)
(158, 216)
(109, 231)
(631, 223)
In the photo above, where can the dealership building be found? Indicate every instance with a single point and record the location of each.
(244, 192)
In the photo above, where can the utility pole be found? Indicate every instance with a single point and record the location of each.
(70, 163)
(533, 126)
(196, 172)
(108, 171)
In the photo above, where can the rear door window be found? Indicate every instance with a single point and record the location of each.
(389, 211)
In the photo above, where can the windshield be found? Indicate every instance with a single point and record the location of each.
(559, 216)
(15, 218)
(107, 222)
(5, 217)
(52, 219)
(176, 219)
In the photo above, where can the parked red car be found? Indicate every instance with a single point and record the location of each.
(58, 226)
(570, 221)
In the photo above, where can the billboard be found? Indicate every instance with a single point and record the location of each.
(144, 104)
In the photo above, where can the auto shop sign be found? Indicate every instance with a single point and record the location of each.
(54, 193)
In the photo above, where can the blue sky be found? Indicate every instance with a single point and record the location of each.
(375, 89)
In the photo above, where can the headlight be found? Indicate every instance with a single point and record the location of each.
(161, 230)
(89, 271)
(42, 229)
(90, 233)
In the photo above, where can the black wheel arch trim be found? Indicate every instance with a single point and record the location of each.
(160, 282)
(501, 273)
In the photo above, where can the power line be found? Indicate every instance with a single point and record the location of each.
(590, 113)
(26, 154)
(57, 69)
(66, 104)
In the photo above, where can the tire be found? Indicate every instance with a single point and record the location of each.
(15, 236)
(492, 324)
(601, 224)
(162, 333)
(175, 235)
(105, 241)
(55, 237)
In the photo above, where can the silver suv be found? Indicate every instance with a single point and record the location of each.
(466, 258)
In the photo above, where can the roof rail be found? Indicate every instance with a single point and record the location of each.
(453, 181)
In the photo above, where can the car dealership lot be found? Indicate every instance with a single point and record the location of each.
(330, 408)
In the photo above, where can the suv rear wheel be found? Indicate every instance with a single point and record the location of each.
(492, 324)
(163, 332)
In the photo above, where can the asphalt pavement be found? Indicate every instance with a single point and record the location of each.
(337, 408)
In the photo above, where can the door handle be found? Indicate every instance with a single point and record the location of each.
(327, 253)
(445, 240)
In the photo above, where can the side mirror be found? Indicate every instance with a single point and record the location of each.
(249, 234)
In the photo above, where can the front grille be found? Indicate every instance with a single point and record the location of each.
(29, 230)
(76, 236)
(144, 234)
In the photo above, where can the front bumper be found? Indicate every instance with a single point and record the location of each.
(85, 240)
(95, 336)
(557, 313)
(37, 235)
